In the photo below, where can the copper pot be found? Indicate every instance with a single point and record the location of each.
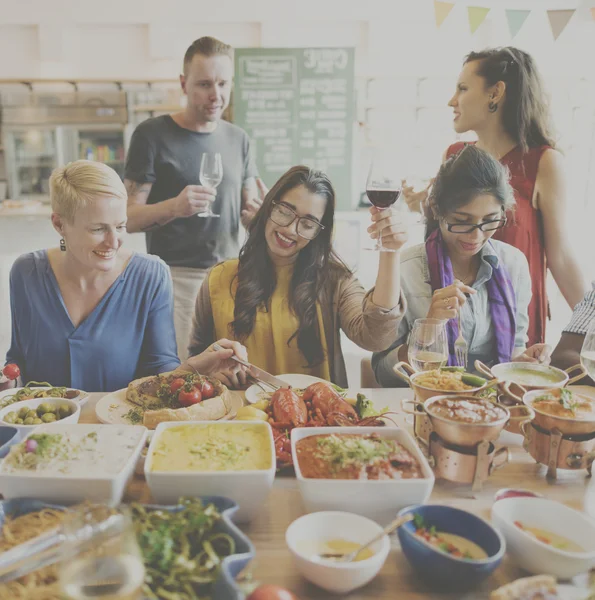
(465, 434)
(510, 387)
(566, 425)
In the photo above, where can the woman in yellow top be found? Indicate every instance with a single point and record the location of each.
(288, 295)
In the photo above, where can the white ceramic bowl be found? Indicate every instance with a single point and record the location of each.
(101, 482)
(339, 578)
(33, 404)
(379, 500)
(248, 488)
(535, 556)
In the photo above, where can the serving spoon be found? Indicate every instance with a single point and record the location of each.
(350, 556)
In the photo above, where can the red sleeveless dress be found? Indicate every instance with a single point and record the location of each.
(524, 229)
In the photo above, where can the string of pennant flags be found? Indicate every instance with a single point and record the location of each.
(515, 18)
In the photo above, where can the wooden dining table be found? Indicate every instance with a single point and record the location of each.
(273, 561)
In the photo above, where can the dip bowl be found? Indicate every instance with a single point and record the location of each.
(74, 407)
(379, 499)
(442, 570)
(335, 577)
(249, 488)
(534, 555)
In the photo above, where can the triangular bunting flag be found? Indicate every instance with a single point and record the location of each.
(442, 10)
(516, 18)
(558, 20)
(477, 14)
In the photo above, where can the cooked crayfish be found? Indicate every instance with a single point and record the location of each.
(319, 406)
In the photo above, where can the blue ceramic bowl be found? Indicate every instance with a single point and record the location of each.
(440, 569)
(8, 437)
(225, 588)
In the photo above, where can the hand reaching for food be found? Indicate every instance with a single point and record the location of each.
(10, 374)
(538, 353)
(446, 302)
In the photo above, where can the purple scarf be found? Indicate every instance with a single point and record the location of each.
(501, 298)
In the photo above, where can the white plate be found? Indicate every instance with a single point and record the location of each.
(81, 399)
(112, 408)
(569, 592)
(296, 380)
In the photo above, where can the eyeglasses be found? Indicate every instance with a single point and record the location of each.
(485, 226)
(284, 216)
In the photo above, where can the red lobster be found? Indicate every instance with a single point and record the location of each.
(319, 406)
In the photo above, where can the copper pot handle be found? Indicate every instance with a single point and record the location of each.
(580, 369)
(415, 411)
(484, 369)
(404, 366)
(523, 426)
(506, 385)
(499, 462)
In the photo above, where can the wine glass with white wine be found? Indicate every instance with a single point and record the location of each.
(588, 352)
(211, 174)
(101, 557)
(428, 344)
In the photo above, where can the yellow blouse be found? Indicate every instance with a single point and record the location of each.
(267, 344)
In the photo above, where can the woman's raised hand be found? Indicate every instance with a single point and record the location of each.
(390, 225)
(415, 200)
(446, 302)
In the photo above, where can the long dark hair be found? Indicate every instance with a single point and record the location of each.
(316, 265)
(525, 113)
(465, 175)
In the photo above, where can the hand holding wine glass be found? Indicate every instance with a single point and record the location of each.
(389, 228)
(211, 175)
(383, 188)
(428, 344)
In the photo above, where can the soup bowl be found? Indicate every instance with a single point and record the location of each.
(445, 571)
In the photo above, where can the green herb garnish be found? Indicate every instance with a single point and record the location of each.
(568, 401)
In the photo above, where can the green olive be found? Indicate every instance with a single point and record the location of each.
(45, 407)
(28, 421)
(37, 421)
(10, 417)
(18, 421)
(31, 414)
(64, 411)
(49, 418)
(23, 412)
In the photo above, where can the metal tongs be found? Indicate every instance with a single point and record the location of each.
(54, 545)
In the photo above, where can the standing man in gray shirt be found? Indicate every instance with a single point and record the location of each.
(165, 194)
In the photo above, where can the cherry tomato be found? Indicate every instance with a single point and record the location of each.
(207, 389)
(11, 371)
(176, 384)
(189, 398)
(271, 592)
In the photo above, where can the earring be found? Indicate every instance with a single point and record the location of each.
(492, 107)
(62, 245)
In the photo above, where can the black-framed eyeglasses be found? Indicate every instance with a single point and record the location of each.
(284, 216)
(485, 226)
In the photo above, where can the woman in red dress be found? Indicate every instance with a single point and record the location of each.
(499, 96)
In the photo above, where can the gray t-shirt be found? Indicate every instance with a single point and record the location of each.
(168, 156)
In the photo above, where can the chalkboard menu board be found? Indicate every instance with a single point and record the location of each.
(297, 105)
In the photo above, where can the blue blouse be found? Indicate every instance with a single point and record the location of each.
(129, 334)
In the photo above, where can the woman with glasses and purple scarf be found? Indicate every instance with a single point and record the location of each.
(288, 295)
(461, 269)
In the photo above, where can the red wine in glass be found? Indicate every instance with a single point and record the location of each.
(383, 198)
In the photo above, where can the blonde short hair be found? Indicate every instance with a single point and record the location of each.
(80, 182)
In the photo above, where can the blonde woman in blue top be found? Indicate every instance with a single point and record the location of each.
(93, 314)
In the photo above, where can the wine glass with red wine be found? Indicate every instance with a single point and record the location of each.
(383, 189)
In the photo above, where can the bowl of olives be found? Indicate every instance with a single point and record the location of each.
(27, 414)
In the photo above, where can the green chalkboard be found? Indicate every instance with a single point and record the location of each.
(298, 107)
